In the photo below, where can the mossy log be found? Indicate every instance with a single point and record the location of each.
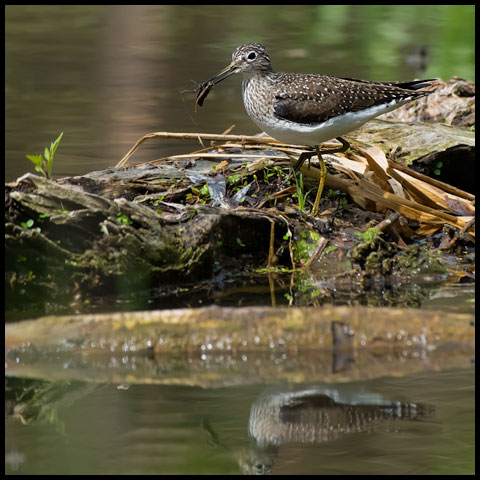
(83, 243)
(244, 329)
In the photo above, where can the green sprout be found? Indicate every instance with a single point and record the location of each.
(29, 224)
(270, 172)
(123, 219)
(44, 164)
(438, 167)
(302, 198)
(240, 242)
(198, 195)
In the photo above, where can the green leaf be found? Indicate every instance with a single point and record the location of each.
(27, 224)
(46, 154)
(36, 159)
(205, 191)
(54, 145)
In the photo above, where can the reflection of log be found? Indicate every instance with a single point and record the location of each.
(215, 346)
(224, 369)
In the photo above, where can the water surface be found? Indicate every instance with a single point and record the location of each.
(148, 429)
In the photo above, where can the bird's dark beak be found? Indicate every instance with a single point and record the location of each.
(222, 75)
(205, 87)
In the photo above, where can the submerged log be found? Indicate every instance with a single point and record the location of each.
(222, 346)
(243, 329)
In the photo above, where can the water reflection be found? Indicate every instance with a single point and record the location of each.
(14, 459)
(412, 424)
(301, 414)
(316, 415)
(37, 401)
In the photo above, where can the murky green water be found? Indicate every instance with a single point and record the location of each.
(148, 429)
(105, 76)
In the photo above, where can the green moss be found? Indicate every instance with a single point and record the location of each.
(369, 236)
(418, 260)
(373, 262)
(306, 287)
(304, 245)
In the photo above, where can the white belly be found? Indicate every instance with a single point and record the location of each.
(312, 135)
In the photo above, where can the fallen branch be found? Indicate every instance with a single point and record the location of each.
(204, 136)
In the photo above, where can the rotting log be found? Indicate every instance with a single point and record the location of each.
(415, 141)
(452, 102)
(83, 243)
(423, 147)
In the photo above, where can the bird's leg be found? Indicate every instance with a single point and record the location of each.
(308, 155)
(345, 146)
(301, 160)
(323, 175)
(298, 164)
(323, 169)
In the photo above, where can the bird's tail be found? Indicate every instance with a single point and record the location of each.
(414, 84)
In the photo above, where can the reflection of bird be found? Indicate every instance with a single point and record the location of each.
(317, 415)
(309, 109)
(258, 461)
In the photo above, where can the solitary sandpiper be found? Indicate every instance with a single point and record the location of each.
(308, 109)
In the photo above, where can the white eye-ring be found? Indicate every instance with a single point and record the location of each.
(251, 56)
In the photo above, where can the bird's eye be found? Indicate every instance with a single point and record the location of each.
(251, 56)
